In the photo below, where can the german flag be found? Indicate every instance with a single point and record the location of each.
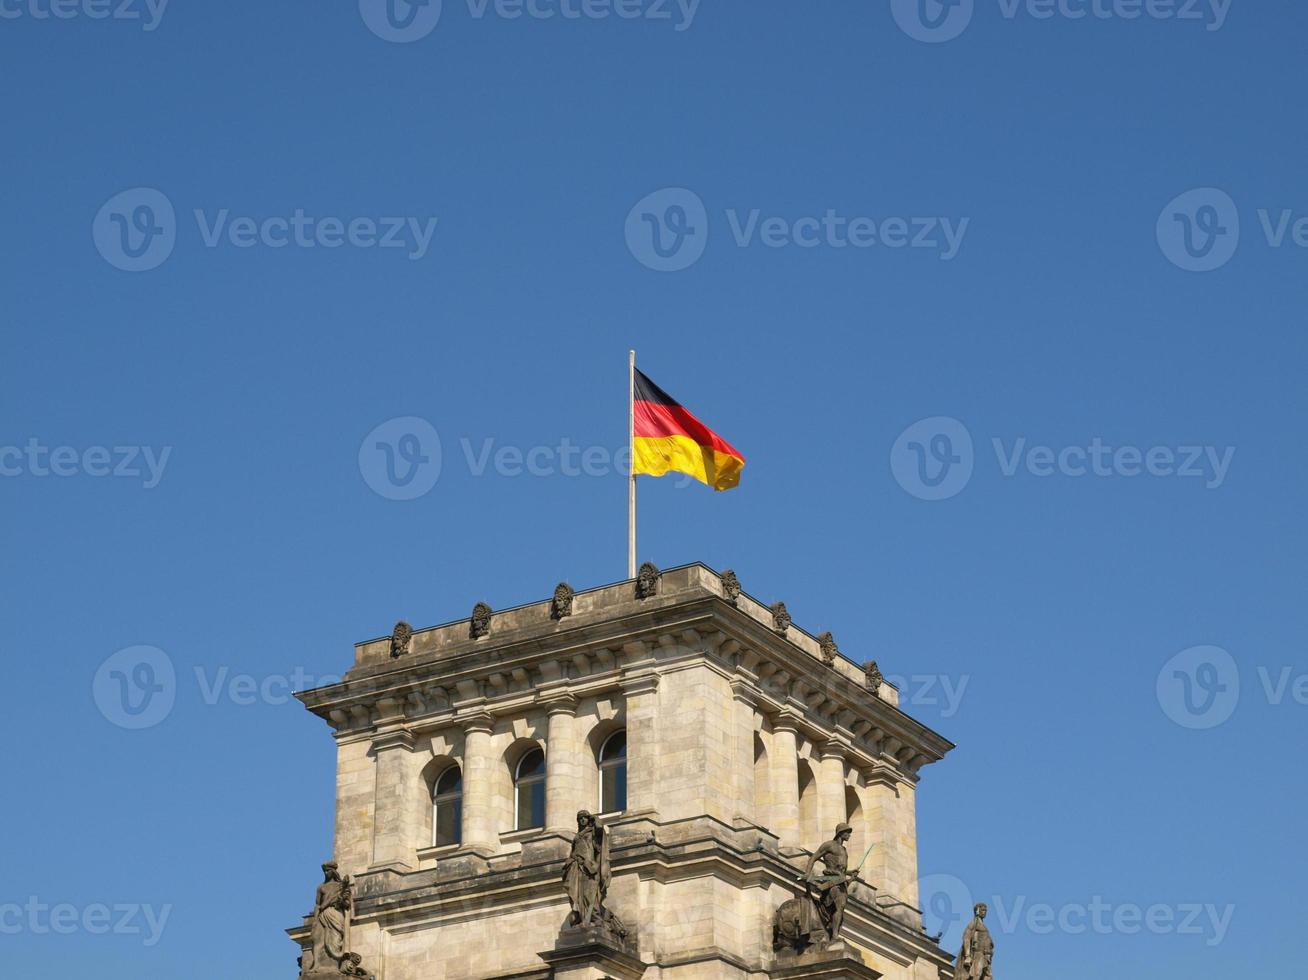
(667, 437)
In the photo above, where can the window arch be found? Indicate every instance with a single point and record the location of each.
(529, 790)
(613, 773)
(447, 808)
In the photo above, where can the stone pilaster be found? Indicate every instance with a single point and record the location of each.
(784, 763)
(564, 794)
(641, 693)
(744, 706)
(890, 811)
(831, 786)
(396, 803)
(478, 786)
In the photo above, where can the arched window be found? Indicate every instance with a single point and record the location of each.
(529, 788)
(613, 773)
(447, 808)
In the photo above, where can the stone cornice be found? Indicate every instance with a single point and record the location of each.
(512, 672)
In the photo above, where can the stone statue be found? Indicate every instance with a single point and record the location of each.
(400, 637)
(329, 953)
(818, 915)
(731, 586)
(480, 623)
(830, 651)
(586, 876)
(561, 604)
(873, 678)
(647, 581)
(831, 889)
(780, 617)
(978, 950)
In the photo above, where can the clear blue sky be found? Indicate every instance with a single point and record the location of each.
(1066, 316)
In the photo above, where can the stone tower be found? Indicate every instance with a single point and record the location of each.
(718, 743)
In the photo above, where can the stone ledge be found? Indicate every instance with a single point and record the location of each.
(831, 961)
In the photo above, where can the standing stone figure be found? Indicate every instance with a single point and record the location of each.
(978, 950)
(586, 876)
(329, 931)
(831, 889)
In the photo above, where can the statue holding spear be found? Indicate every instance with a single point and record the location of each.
(830, 890)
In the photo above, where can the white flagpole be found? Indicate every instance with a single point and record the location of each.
(631, 480)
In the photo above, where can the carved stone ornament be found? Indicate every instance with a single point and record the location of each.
(561, 604)
(872, 677)
(328, 956)
(829, 649)
(780, 618)
(647, 581)
(481, 621)
(400, 637)
(730, 586)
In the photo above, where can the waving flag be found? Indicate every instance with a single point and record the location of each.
(665, 436)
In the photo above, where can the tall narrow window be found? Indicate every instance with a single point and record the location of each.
(447, 808)
(613, 773)
(529, 786)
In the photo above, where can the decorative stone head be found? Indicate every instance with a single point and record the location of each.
(829, 649)
(780, 617)
(481, 621)
(400, 637)
(647, 580)
(980, 910)
(872, 678)
(730, 586)
(561, 604)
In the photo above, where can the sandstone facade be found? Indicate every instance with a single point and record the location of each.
(747, 741)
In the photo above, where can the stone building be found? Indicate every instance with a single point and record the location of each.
(719, 743)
